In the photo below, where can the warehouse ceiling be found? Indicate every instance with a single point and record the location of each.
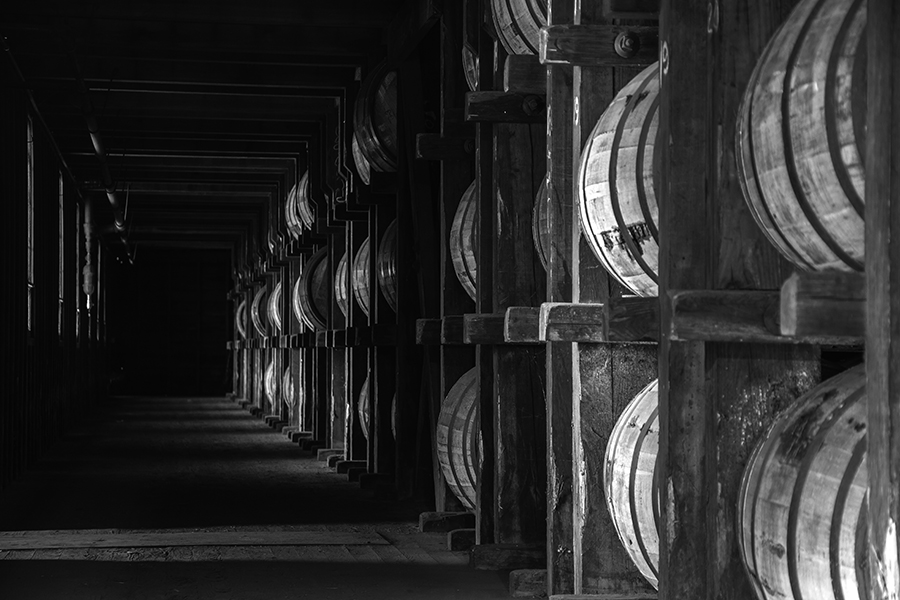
(207, 111)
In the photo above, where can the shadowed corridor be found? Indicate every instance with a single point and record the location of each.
(263, 518)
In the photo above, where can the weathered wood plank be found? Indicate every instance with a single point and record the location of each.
(505, 107)
(452, 329)
(524, 74)
(521, 325)
(883, 299)
(428, 332)
(824, 304)
(619, 319)
(483, 329)
(599, 45)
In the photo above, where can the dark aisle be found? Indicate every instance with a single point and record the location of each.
(268, 519)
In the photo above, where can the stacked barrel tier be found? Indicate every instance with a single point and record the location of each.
(240, 319)
(361, 277)
(801, 135)
(363, 411)
(312, 295)
(274, 308)
(616, 186)
(258, 312)
(540, 224)
(458, 438)
(463, 241)
(386, 265)
(630, 479)
(374, 142)
(341, 284)
(518, 24)
(802, 504)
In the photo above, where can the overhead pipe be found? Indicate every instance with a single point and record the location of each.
(109, 185)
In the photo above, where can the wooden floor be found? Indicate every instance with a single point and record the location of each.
(193, 498)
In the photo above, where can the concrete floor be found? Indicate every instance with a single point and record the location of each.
(163, 466)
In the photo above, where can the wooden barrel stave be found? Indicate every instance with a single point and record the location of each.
(463, 241)
(386, 265)
(271, 384)
(305, 210)
(362, 409)
(375, 120)
(630, 480)
(800, 137)
(518, 24)
(258, 313)
(458, 439)
(616, 194)
(540, 224)
(361, 277)
(341, 283)
(362, 163)
(274, 307)
(240, 319)
(802, 528)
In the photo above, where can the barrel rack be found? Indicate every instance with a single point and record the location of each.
(733, 335)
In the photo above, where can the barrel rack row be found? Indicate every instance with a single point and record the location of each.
(595, 238)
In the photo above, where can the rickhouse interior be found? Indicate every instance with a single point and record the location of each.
(450, 299)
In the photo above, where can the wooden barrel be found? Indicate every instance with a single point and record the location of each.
(386, 265)
(463, 241)
(287, 391)
(518, 24)
(361, 162)
(540, 224)
(274, 307)
(305, 210)
(258, 312)
(801, 136)
(470, 68)
(240, 319)
(341, 285)
(630, 480)
(375, 119)
(271, 384)
(361, 277)
(458, 438)
(312, 291)
(802, 504)
(362, 408)
(363, 411)
(616, 193)
(291, 218)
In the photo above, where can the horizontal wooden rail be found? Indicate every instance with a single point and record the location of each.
(626, 319)
(599, 45)
(522, 325)
(505, 107)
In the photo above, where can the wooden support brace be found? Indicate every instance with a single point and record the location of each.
(483, 328)
(525, 74)
(824, 304)
(599, 45)
(749, 316)
(428, 332)
(452, 330)
(432, 146)
(522, 325)
(505, 107)
(619, 320)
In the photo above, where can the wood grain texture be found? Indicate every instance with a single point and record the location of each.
(505, 107)
(824, 304)
(452, 328)
(483, 329)
(525, 74)
(520, 325)
(594, 45)
(882, 298)
(619, 319)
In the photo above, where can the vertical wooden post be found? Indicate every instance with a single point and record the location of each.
(562, 357)
(883, 296)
